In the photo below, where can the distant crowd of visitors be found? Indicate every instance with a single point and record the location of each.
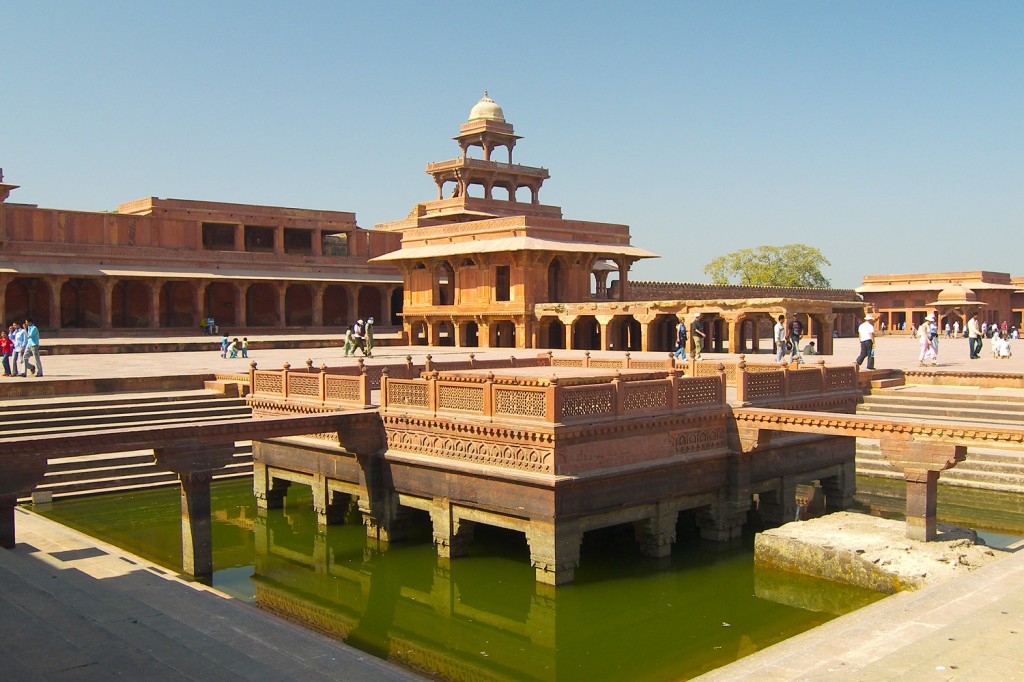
(19, 346)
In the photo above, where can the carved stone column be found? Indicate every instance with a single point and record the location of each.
(154, 302)
(107, 287)
(452, 535)
(554, 551)
(921, 462)
(54, 284)
(194, 463)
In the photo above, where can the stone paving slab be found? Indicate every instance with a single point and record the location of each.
(970, 628)
(72, 607)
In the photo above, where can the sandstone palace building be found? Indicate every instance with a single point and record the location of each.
(486, 264)
(169, 263)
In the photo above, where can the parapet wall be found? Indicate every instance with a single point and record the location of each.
(652, 291)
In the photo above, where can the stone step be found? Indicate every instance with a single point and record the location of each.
(153, 420)
(120, 459)
(71, 409)
(115, 467)
(973, 395)
(949, 412)
(899, 398)
(101, 399)
(43, 424)
(131, 481)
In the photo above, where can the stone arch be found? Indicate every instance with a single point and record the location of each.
(335, 306)
(298, 305)
(220, 303)
(444, 284)
(662, 334)
(177, 304)
(624, 333)
(470, 335)
(369, 303)
(552, 334)
(557, 273)
(81, 303)
(419, 335)
(261, 305)
(397, 305)
(586, 333)
(129, 304)
(503, 334)
(445, 331)
(27, 297)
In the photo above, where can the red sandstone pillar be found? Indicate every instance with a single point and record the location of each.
(196, 529)
(154, 303)
(922, 491)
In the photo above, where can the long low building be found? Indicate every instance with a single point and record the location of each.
(172, 263)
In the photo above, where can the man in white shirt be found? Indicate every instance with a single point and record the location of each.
(780, 338)
(974, 337)
(866, 332)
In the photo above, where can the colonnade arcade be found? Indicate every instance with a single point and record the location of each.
(652, 331)
(62, 302)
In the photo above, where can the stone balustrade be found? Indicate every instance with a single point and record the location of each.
(771, 383)
(553, 399)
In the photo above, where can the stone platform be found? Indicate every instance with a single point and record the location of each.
(871, 552)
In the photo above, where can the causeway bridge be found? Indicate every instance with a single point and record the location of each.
(548, 446)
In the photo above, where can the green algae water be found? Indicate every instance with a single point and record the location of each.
(482, 616)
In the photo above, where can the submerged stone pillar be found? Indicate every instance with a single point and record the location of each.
(452, 535)
(196, 531)
(194, 463)
(554, 551)
(922, 493)
(268, 491)
(723, 520)
(657, 533)
(921, 463)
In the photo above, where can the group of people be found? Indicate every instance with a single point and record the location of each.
(786, 335)
(359, 337)
(231, 349)
(19, 346)
(691, 337)
(208, 325)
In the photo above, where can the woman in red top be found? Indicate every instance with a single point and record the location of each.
(6, 348)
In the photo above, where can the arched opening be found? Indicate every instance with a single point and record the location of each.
(261, 306)
(220, 303)
(663, 333)
(586, 334)
(335, 306)
(129, 304)
(523, 195)
(624, 333)
(419, 334)
(27, 297)
(555, 334)
(177, 304)
(471, 335)
(503, 334)
(368, 303)
(80, 304)
(501, 193)
(298, 306)
(444, 284)
(397, 305)
(445, 333)
(556, 287)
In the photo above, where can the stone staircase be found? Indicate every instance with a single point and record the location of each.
(985, 468)
(68, 476)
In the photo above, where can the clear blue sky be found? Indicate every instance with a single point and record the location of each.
(887, 134)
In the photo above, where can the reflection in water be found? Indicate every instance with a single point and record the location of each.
(483, 616)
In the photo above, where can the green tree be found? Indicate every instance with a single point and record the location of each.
(794, 265)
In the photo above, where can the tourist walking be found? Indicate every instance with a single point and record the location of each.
(350, 344)
(368, 338)
(680, 340)
(6, 348)
(974, 337)
(31, 350)
(933, 336)
(927, 355)
(224, 343)
(697, 335)
(780, 338)
(17, 336)
(956, 329)
(796, 330)
(866, 333)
